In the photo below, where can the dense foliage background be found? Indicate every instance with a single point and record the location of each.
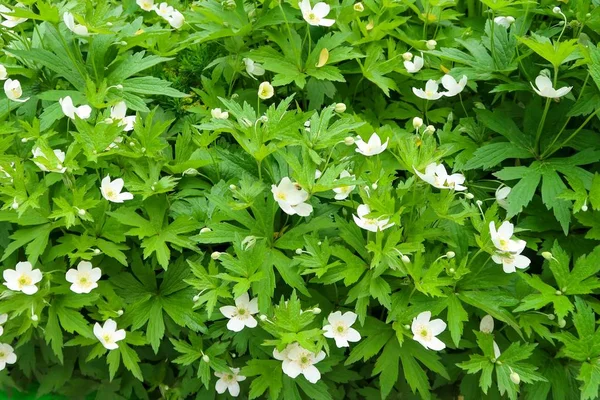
(386, 199)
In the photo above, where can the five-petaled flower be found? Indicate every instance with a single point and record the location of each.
(146, 5)
(108, 334)
(111, 191)
(77, 29)
(7, 355)
(55, 162)
(504, 21)
(340, 328)
(229, 381)
(23, 278)
(508, 250)
(372, 147)
(343, 192)
(436, 176)
(425, 331)
(84, 279)
(265, 91)
(370, 224)
(414, 66)
(241, 315)
(253, 69)
(219, 114)
(297, 360)
(291, 198)
(316, 15)
(118, 113)
(83, 111)
(452, 86)
(543, 87)
(430, 92)
(13, 90)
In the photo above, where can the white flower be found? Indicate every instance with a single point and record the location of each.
(436, 176)
(510, 262)
(425, 331)
(430, 44)
(3, 319)
(372, 147)
(340, 328)
(176, 19)
(11, 20)
(412, 67)
(108, 334)
(146, 5)
(291, 199)
(59, 154)
(23, 278)
(430, 92)
(83, 111)
(343, 192)
(315, 15)
(297, 360)
(452, 87)
(83, 278)
(229, 381)
(501, 194)
(504, 21)
(118, 113)
(240, 315)
(370, 224)
(12, 89)
(265, 91)
(219, 114)
(164, 10)
(111, 191)
(487, 324)
(7, 355)
(3, 73)
(545, 89)
(253, 69)
(77, 29)
(502, 238)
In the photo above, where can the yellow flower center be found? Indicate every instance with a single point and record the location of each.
(281, 196)
(107, 338)
(24, 280)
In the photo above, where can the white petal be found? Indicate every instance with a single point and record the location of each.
(312, 374)
(235, 324)
(436, 344)
(228, 311)
(221, 386)
(437, 326)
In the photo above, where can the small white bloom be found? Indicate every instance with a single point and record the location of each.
(108, 334)
(60, 158)
(343, 192)
(240, 315)
(11, 20)
(84, 279)
(372, 147)
(502, 238)
(3, 73)
(370, 224)
(340, 328)
(146, 5)
(118, 113)
(430, 92)
(111, 191)
(316, 15)
(501, 194)
(219, 114)
(83, 111)
(425, 331)
(23, 278)
(3, 319)
(13, 90)
(291, 198)
(412, 67)
(297, 360)
(504, 21)
(229, 381)
(265, 91)
(436, 176)
(253, 69)
(176, 19)
(164, 10)
(510, 262)
(452, 87)
(431, 44)
(544, 88)
(487, 324)
(77, 29)
(7, 355)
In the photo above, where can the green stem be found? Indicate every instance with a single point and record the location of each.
(493, 47)
(463, 105)
(588, 119)
(538, 135)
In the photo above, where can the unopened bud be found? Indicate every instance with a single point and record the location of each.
(452, 270)
(469, 196)
(232, 187)
(450, 254)
(558, 293)
(34, 317)
(547, 255)
(431, 44)
(584, 208)
(195, 298)
(349, 140)
(15, 205)
(405, 259)
(515, 378)
(316, 310)
(205, 230)
(299, 251)
(487, 324)
(96, 251)
(430, 129)
(374, 186)
(24, 140)
(263, 317)
(407, 327)
(562, 323)
(556, 10)
(479, 203)
(551, 317)
(215, 255)
(407, 56)
(81, 212)
(417, 122)
(340, 108)
(205, 358)
(370, 25)
(120, 312)
(358, 7)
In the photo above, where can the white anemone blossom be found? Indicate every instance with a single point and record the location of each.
(436, 176)
(108, 334)
(77, 29)
(452, 86)
(508, 250)
(118, 113)
(297, 360)
(7, 355)
(343, 192)
(10, 20)
(253, 69)
(111, 190)
(217, 113)
(240, 315)
(13, 90)
(340, 328)
(501, 195)
(372, 147)
(504, 21)
(430, 92)
(66, 104)
(146, 5)
(58, 154)
(543, 87)
(291, 198)
(316, 15)
(370, 224)
(425, 331)
(414, 66)
(23, 278)
(228, 381)
(83, 279)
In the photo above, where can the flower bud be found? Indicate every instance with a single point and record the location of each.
(340, 108)
(450, 255)
(547, 255)
(358, 7)
(81, 212)
(479, 203)
(430, 129)
(263, 317)
(451, 271)
(431, 44)
(405, 259)
(195, 298)
(15, 204)
(374, 186)
(24, 140)
(584, 208)
(120, 312)
(515, 378)
(215, 255)
(562, 323)
(96, 251)
(551, 317)
(299, 251)
(417, 122)
(316, 310)
(407, 56)
(487, 324)
(248, 242)
(556, 10)
(407, 327)
(469, 196)
(349, 141)
(205, 358)
(34, 318)
(558, 293)
(370, 25)
(232, 187)
(205, 230)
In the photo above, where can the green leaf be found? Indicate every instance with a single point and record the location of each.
(456, 316)
(131, 360)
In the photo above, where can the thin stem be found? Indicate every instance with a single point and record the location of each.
(538, 135)
(588, 119)
(493, 47)
(463, 105)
